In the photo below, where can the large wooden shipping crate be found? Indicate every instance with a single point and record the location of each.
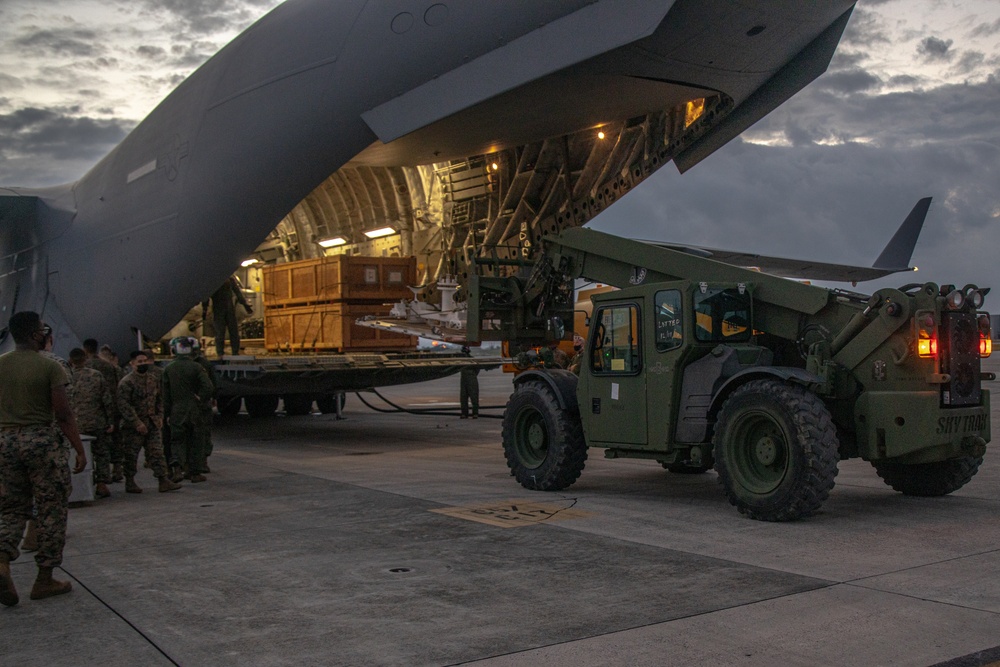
(311, 305)
(339, 278)
(329, 327)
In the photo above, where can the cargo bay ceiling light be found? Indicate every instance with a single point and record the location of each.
(380, 232)
(249, 262)
(331, 242)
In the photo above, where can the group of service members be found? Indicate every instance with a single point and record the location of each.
(124, 410)
(46, 402)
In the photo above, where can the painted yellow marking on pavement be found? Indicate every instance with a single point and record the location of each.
(515, 513)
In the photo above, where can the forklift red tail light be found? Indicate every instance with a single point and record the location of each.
(927, 347)
(985, 346)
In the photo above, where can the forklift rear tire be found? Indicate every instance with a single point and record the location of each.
(776, 450)
(928, 479)
(260, 406)
(543, 444)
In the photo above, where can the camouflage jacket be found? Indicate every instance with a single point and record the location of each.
(140, 400)
(91, 400)
(110, 374)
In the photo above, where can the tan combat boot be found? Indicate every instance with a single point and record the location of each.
(8, 594)
(131, 486)
(102, 490)
(45, 586)
(194, 478)
(176, 475)
(30, 542)
(117, 474)
(167, 485)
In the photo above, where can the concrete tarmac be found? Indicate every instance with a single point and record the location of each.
(397, 539)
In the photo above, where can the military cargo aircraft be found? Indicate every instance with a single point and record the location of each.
(466, 129)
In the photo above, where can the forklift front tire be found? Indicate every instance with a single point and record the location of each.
(543, 444)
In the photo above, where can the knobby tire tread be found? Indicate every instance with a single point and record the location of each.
(567, 453)
(928, 479)
(816, 436)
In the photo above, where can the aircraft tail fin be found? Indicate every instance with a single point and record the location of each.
(899, 250)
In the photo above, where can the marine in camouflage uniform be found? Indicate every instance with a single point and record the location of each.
(187, 389)
(35, 422)
(94, 408)
(156, 372)
(141, 406)
(553, 357)
(111, 376)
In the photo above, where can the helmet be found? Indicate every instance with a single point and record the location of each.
(183, 345)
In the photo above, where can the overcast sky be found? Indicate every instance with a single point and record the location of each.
(909, 108)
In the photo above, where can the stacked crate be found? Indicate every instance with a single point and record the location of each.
(311, 305)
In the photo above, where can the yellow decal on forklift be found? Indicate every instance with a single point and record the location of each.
(617, 364)
(515, 513)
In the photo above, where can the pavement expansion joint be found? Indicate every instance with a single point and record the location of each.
(918, 566)
(923, 598)
(117, 613)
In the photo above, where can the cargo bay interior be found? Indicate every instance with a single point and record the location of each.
(420, 224)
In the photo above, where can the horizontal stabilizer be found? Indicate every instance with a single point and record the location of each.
(895, 258)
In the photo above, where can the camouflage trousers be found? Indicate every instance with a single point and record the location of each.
(187, 442)
(117, 446)
(100, 451)
(151, 442)
(34, 472)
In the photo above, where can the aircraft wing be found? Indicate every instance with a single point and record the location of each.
(789, 268)
(895, 257)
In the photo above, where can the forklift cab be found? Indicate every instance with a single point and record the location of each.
(641, 340)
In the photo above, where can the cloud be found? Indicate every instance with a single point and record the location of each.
(210, 17)
(938, 115)
(74, 41)
(191, 54)
(847, 81)
(866, 29)
(969, 62)
(907, 81)
(985, 29)
(935, 49)
(151, 52)
(40, 143)
(9, 82)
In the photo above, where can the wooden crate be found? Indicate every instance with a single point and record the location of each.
(339, 278)
(329, 327)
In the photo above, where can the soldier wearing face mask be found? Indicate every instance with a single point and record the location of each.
(141, 405)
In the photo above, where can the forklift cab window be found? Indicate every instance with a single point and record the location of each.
(615, 343)
(668, 320)
(723, 315)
